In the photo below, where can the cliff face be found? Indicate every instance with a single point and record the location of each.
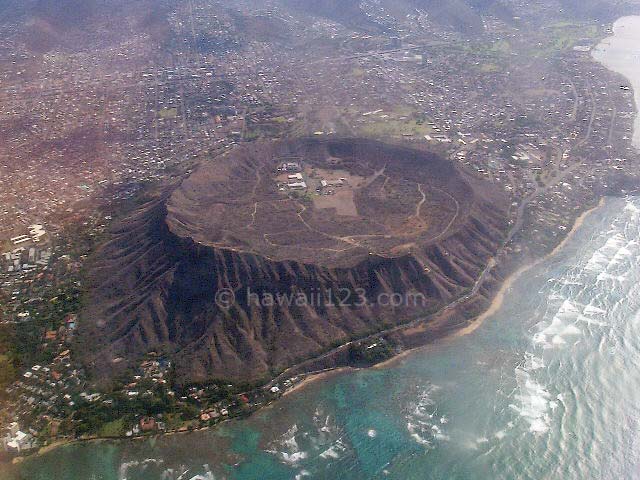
(224, 313)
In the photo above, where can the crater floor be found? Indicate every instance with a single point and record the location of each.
(321, 201)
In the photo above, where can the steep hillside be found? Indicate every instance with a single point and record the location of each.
(49, 25)
(234, 279)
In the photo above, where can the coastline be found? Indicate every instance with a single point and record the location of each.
(312, 377)
(499, 297)
(621, 65)
(451, 350)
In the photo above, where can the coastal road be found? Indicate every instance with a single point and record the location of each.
(482, 278)
(491, 264)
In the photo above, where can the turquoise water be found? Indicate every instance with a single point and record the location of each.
(546, 388)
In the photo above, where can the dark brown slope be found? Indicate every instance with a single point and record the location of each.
(86, 25)
(155, 290)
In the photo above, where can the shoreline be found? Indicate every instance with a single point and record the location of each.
(495, 305)
(499, 297)
(599, 54)
(313, 377)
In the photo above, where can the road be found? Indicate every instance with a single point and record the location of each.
(378, 52)
(491, 264)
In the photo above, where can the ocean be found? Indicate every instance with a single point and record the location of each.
(621, 53)
(547, 387)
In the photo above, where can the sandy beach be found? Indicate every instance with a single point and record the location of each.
(316, 376)
(313, 377)
(498, 300)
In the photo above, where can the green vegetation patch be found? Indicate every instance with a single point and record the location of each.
(489, 68)
(168, 113)
(395, 128)
(564, 36)
(116, 428)
(7, 371)
(402, 121)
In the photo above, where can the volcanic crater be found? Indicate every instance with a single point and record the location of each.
(378, 200)
(279, 218)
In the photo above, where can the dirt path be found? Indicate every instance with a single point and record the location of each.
(421, 202)
(455, 217)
